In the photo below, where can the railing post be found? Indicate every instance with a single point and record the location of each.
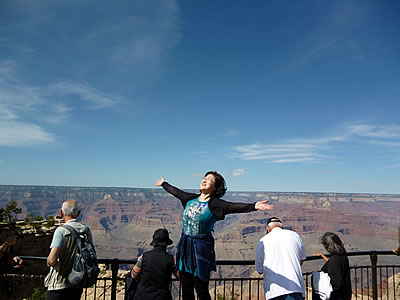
(374, 260)
(114, 271)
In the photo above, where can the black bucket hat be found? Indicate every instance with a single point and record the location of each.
(161, 238)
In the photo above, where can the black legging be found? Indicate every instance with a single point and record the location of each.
(189, 283)
(64, 294)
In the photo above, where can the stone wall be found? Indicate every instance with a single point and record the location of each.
(33, 239)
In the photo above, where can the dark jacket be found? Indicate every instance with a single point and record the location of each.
(218, 207)
(157, 268)
(197, 251)
(338, 270)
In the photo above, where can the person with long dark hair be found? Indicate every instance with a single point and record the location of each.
(336, 266)
(195, 256)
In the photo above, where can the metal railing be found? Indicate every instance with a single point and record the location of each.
(368, 281)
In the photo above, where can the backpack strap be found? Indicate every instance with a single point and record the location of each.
(75, 235)
(72, 230)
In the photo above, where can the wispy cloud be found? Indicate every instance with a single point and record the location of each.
(23, 134)
(94, 97)
(333, 35)
(315, 150)
(365, 130)
(114, 44)
(27, 110)
(130, 36)
(279, 153)
(239, 172)
(149, 37)
(134, 44)
(295, 160)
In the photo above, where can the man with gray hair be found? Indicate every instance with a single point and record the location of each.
(279, 256)
(63, 249)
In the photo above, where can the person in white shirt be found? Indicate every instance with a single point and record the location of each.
(62, 253)
(279, 256)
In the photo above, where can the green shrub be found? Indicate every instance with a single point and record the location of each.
(50, 221)
(10, 212)
(37, 295)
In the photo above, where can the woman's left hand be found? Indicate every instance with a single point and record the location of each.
(160, 181)
(262, 205)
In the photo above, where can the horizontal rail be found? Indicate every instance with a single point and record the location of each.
(371, 281)
(223, 262)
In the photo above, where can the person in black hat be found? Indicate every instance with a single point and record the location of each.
(154, 269)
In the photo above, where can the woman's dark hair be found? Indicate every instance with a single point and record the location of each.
(332, 243)
(219, 184)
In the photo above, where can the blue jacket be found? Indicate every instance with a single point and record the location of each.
(197, 252)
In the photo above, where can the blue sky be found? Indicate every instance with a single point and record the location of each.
(275, 95)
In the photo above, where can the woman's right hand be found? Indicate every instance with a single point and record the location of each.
(322, 255)
(160, 181)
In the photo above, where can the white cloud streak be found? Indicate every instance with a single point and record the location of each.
(279, 153)
(314, 150)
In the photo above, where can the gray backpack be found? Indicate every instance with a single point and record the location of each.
(85, 268)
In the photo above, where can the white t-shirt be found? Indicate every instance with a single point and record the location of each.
(278, 257)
